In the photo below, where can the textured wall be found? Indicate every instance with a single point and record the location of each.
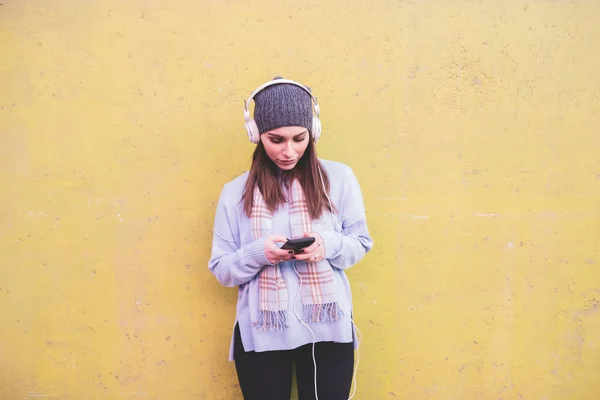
(471, 125)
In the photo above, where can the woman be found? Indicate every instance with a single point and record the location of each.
(291, 305)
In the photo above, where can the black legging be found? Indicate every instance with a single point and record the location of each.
(268, 375)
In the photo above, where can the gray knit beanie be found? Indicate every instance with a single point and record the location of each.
(282, 105)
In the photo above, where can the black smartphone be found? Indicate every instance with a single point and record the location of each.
(298, 244)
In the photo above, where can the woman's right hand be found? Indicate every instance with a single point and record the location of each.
(273, 253)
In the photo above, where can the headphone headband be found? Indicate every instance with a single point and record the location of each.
(272, 83)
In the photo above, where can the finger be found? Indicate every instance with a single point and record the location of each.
(278, 238)
(313, 247)
(271, 243)
(316, 235)
(310, 249)
(305, 256)
(282, 253)
(277, 258)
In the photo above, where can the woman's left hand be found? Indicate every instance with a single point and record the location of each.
(313, 253)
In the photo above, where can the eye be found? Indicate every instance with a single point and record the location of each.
(276, 141)
(300, 139)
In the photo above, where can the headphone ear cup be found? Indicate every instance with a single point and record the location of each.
(316, 128)
(252, 130)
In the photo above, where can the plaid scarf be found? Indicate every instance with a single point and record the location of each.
(319, 299)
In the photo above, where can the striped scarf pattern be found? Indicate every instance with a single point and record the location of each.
(319, 300)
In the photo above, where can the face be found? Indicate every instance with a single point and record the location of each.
(286, 145)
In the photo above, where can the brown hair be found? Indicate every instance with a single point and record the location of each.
(264, 173)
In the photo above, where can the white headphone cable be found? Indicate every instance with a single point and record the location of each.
(308, 327)
(349, 314)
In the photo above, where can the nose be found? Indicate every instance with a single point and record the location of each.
(288, 149)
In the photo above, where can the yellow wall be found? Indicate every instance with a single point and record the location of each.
(121, 120)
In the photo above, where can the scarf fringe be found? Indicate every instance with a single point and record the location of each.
(328, 312)
(269, 321)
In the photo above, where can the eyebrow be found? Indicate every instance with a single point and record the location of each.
(273, 134)
(300, 134)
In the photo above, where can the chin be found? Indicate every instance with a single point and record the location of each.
(287, 167)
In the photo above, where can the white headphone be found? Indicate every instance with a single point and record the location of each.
(252, 129)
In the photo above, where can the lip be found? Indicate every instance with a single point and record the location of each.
(287, 162)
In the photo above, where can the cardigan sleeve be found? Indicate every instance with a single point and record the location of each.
(230, 263)
(346, 248)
